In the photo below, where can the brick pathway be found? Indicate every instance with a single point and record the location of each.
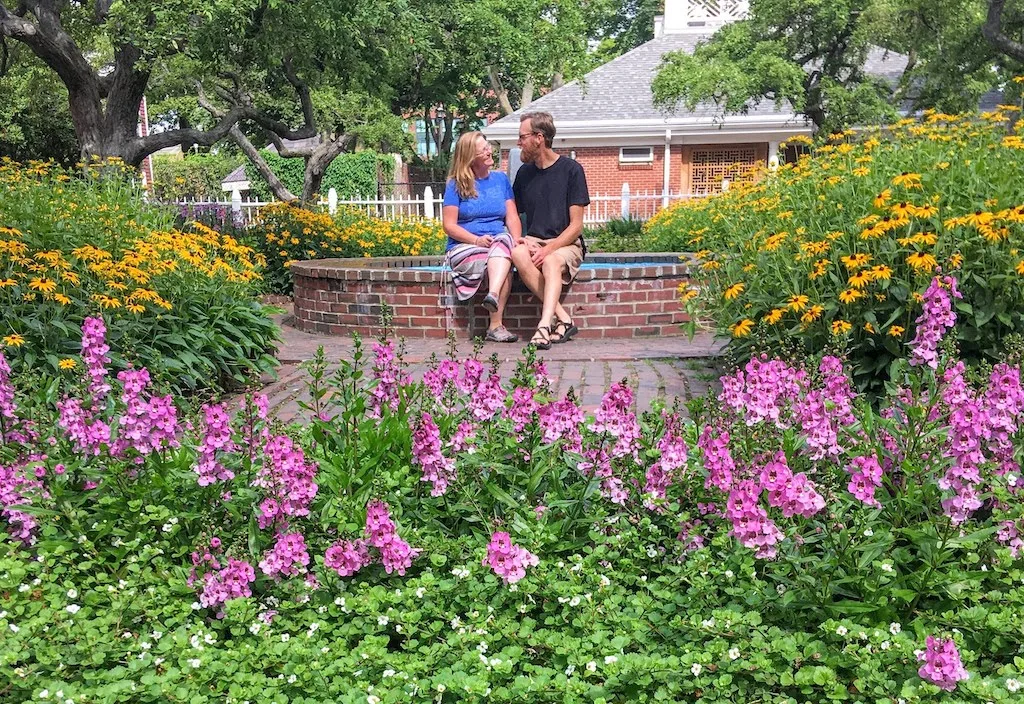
(664, 368)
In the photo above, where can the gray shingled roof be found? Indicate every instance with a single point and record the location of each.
(237, 175)
(621, 88)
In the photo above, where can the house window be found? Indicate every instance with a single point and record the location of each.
(636, 155)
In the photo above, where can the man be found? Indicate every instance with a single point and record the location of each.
(550, 192)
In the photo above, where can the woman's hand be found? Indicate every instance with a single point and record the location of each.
(484, 241)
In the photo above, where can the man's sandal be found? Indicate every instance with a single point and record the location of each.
(565, 329)
(543, 342)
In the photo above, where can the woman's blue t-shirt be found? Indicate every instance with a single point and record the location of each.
(485, 214)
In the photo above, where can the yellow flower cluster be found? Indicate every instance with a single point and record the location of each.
(83, 241)
(839, 241)
(293, 233)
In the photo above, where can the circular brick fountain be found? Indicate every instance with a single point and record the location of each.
(613, 296)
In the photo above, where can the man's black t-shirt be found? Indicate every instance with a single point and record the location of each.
(543, 196)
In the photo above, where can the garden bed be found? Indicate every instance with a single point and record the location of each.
(614, 296)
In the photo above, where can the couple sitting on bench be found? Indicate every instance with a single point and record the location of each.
(485, 234)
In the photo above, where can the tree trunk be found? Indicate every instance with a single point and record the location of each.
(104, 110)
(527, 94)
(277, 186)
(316, 166)
(499, 91)
(449, 136)
(992, 30)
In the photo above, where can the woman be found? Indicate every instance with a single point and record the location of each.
(481, 221)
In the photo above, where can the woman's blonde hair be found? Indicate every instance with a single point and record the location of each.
(461, 168)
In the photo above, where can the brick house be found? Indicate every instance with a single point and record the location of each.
(607, 121)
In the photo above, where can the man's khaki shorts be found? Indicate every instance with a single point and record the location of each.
(571, 256)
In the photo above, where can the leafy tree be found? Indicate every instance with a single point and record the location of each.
(620, 26)
(809, 54)
(35, 122)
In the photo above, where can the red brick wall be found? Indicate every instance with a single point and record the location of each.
(605, 175)
(608, 303)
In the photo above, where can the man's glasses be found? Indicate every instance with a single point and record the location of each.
(524, 136)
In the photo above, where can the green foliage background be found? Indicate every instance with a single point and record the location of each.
(352, 175)
(196, 176)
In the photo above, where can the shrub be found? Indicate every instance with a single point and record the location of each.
(286, 233)
(842, 243)
(351, 175)
(194, 176)
(616, 235)
(787, 544)
(178, 302)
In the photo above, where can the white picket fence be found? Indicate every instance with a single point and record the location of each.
(603, 207)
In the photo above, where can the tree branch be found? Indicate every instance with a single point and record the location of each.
(499, 90)
(277, 186)
(992, 30)
(303, 91)
(172, 138)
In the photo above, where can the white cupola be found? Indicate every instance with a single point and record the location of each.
(699, 16)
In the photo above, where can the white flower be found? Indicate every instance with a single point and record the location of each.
(1012, 686)
(895, 628)
(569, 670)
(610, 659)
(72, 593)
(441, 688)
(494, 662)
(887, 567)
(340, 601)
(383, 620)
(862, 635)
(325, 649)
(460, 572)
(23, 588)
(285, 637)
(728, 574)
(209, 639)
(651, 552)
(291, 679)
(14, 629)
(575, 601)
(72, 608)
(157, 662)
(482, 647)
(195, 663)
(420, 592)
(372, 699)
(695, 669)
(604, 581)
(592, 666)
(255, 627)
(167, 527)
(780, 588)
(388, 673)
(157, 635)
(734, 653)
(708, 623)
(868, 533)
(884, 645)
(44, 694)
(145, 645)
(196, 606)
(841, 631)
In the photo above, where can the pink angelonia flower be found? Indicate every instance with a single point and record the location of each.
(508, 560)
(718, 459)
(561, 420)
(472, 373)
(750, 522)
(522, 409)
(389, 377)
(865, 477)
(426, 452)
(288, 557)
(942, 666)
(18, 489)
(287, 479)
(148, 423)
(7, 408)
(216, 439)
(464, 436)
(230, 582)
(763, 390)
(396, 554)
(346, 557)
(936, 318)
(487, 399)
(94, 354)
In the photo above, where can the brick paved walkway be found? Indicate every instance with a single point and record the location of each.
(664, 368)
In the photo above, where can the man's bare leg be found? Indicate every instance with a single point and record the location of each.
(535, 281)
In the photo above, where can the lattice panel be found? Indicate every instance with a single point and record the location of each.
(709, 166)
(717, 9)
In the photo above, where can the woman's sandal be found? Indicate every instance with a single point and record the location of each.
(544, 342)
(565, 329)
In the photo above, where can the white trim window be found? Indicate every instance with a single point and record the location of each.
(636, 155)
